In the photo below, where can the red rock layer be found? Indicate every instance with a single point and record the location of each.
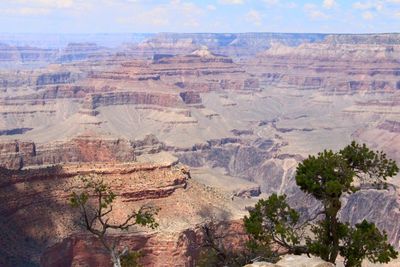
(158, 250)
(35, 212)
(19, 154)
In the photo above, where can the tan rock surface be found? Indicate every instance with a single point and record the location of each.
(294, 261)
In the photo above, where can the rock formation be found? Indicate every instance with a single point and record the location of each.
(294, 261)
(333, 66)
(240, 110)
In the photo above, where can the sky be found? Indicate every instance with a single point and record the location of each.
(152, 16)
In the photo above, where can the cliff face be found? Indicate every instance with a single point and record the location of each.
(12, 54)
(181, 249)
(94, 101)
(17, 154)
(35, 202)
(36, 206)
(54, 78)
(334, 67)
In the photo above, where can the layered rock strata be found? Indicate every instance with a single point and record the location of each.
(332, 66)
(19, 154)
(36, 202)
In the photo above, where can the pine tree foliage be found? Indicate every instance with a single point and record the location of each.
(326, 177)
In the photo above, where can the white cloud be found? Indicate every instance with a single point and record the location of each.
(368, 15)
(376, 5)
(313, 12)
(157, 16)
(192, 23)
(271, 2)
(231, 2)
(175, 13)
(45, 7)
(280, 3)
(291, 5)
(32, 7)
(25, 11)
(49, 3)
(328, 4)
(255, 17)
(211, 7)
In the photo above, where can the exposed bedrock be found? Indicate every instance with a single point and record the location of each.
(294, 261)
(84, 148)
(94, 101)
(35, 212)
(18, 154)
(15, 131)
(181, 249)
(12, 54)
(79, 51)
(391, 126)
(234, 155)
(190, 97)
(384, 136)
(52, 92)
(54, 78)
(354, 39)
(379, 206)
(259, 162)
(333, 66)
(254, 161)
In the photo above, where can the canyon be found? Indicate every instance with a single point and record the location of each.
(239, 111)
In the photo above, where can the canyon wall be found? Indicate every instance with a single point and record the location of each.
(37, 202)
(241, 110)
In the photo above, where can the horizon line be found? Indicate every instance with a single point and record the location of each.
(172, 32)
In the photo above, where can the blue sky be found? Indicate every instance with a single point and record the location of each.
(123, 16)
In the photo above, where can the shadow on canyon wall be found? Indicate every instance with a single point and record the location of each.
(30, 214)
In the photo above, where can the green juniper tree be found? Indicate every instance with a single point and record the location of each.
(365, 241)
(96, 215)
(327, 177)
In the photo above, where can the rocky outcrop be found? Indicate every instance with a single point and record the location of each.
(190, 97)
(94, 101)
(15, 131)
(25, 54)
(179, 250)
(385, 214)
(237, 157)
(13, 153)
(340, 67)
(79, 51)
(391, 126)
(360, 39)
(17, 154)
(294, 261)
(54, 78)
(35, 204)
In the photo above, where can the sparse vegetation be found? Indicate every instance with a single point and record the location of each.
(131, 259)
(326, 177)
(94, 202)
